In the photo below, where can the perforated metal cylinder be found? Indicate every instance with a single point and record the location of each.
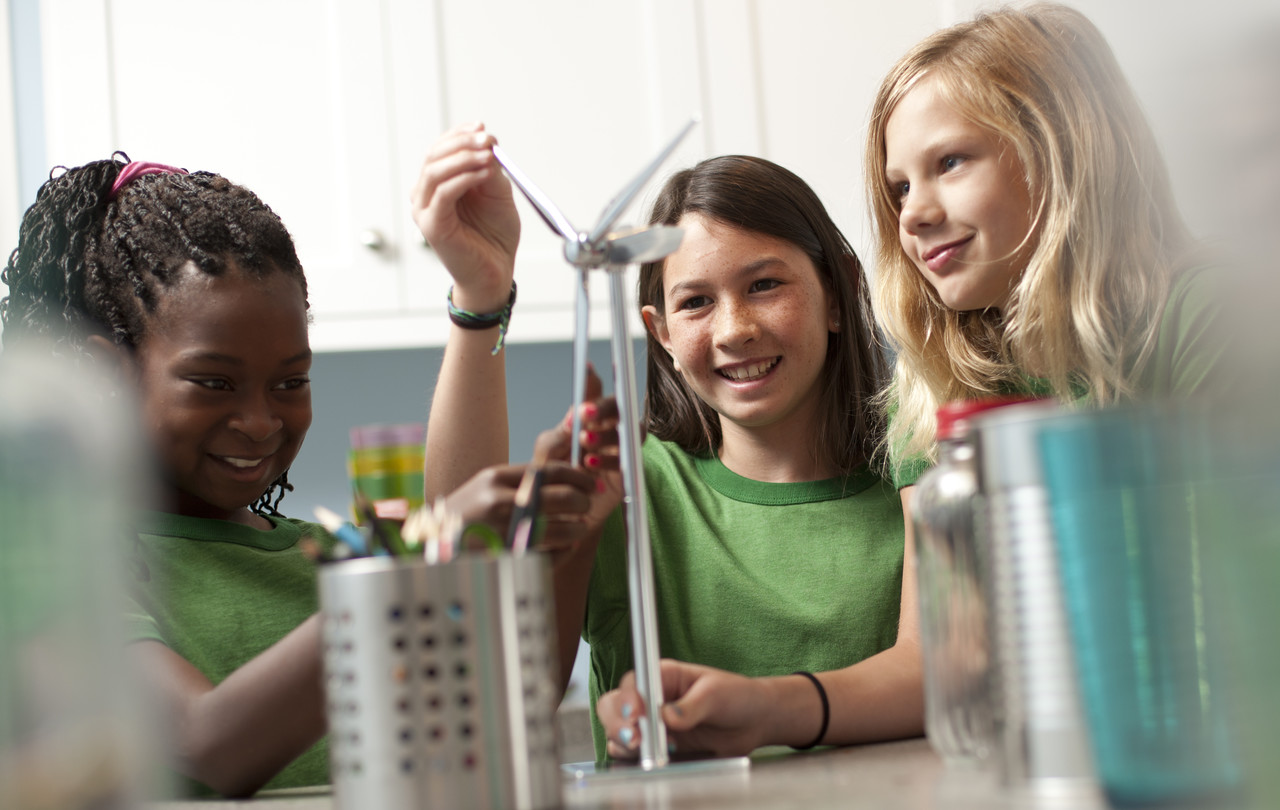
(441, 683)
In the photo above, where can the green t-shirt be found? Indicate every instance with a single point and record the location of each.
(751, 577)
(218, 594)
(1186, 360)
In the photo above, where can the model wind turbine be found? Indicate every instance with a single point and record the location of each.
(601, 248)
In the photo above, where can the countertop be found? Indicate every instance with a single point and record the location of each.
(905, 775)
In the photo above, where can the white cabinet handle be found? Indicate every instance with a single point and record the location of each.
(373, 239)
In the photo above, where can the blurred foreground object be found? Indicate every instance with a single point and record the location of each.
(1233, 152)
(71, 737)
(1133, 558)
(1132, 493)
(1042, 738)
(951, 572)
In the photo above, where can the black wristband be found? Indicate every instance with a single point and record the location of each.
(474, 320)
(826, 711)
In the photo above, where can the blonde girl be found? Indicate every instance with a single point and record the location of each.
(1028, 238)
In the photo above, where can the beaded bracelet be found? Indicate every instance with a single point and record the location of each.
(826, 711)
(474, 320)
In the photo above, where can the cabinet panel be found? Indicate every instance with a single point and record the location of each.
(287, 97)
(77, 88)
(818, 67)
(582, 95)
(326, 109)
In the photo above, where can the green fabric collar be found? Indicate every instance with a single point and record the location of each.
(282, 535)
(731, 485)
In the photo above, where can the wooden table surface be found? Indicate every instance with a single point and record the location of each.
(904, 775)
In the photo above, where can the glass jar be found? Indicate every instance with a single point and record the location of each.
(953, 611)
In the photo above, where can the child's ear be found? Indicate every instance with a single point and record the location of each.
(114, 358)
(657, 326)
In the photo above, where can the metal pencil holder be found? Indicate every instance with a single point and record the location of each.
(441, 682)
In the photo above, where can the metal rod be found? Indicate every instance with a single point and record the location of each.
(644, 620)
(581, 342)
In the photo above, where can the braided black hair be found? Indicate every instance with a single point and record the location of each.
(87, 264)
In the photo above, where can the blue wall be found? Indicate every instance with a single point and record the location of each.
(360, 388)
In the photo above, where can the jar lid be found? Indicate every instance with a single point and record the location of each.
(953, 417)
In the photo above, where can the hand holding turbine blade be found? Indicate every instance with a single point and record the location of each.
(560, 224)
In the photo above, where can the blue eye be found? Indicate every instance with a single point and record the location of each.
(950, 162)
(900, 190)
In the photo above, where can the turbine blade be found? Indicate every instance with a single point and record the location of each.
(647, 245)
(619, 203)
(541, 203)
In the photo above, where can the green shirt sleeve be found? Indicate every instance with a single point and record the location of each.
(907, 471)
(140, 625)
(1194, 341)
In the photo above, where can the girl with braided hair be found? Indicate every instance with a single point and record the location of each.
(190, 287)
(101, 249)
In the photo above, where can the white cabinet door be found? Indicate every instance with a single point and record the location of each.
(288, 97)
(326, 107)
(582, 95)
(793, 81)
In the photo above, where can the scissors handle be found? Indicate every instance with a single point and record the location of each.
(528, 500)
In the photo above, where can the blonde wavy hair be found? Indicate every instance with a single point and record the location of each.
(1106, 233)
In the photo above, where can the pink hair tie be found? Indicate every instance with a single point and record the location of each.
(135, 170)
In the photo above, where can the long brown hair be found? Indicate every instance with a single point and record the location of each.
(756, 195)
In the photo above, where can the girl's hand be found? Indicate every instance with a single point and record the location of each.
(599, 446)
(707, 712)
(462, 203)
(566, 498)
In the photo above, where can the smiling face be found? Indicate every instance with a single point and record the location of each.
(964, 208)
(222, 377)
(746, 322)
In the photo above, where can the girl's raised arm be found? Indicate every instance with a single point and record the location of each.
(463, 205)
